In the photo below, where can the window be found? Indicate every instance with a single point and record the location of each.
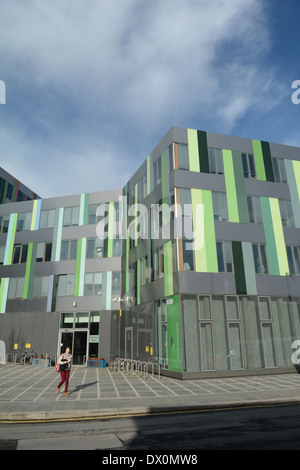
(254, 210)
(286, 212)
(117, 246)
(68, 250)
(40, 286)
(20, 254)
(66, 285)
(4, 221)
(293, 254)
(183, 157)
(224, 253)
(94, 248)
(158, 263)
(215, 160)
(2, 251)
(94, 214)
(24, 221)
(71, 216)
(157, 172)
(187, 255)
(279, 170)
(142, 188)
(93, 284)
(16, 287)
(260, 259)
(43, 252)
(47, 218)
(248, 165)
(219, 205)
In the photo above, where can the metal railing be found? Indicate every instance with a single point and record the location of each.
(136, 367)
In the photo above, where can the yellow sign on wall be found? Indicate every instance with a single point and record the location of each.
(16, 346)
(27, 345)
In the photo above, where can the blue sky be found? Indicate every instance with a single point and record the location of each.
(93, 85)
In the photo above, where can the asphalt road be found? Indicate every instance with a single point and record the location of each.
(259, 428)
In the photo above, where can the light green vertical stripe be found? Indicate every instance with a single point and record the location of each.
(83, 209)
(149, 174)
(110, 238)
(168, 268)
(33, 216)
(108, 290)
(9, 247)
(136, 218)
(232, 203)
(78, 267)
(58, 234)
(250, 268)
(294, 190)
(296, 166)
(204, 230)
(29, 273)
(138, 282)
(270, 236)
(193, 150)
(240, 187)
(3, 293)
(279, 237)
(259, 160)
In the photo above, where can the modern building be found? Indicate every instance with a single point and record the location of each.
(12, 190)
(198, 268)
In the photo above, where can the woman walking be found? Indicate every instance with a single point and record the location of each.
(65, 358)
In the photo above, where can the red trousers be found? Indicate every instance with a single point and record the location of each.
(65, 374)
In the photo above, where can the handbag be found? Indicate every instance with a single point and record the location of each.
(62, 367)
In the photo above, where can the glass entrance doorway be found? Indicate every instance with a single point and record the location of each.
(77, 341)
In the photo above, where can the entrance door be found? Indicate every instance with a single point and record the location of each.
(77, 341)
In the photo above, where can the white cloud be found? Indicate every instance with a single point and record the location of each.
(98, 74)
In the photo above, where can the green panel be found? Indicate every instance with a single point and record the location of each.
(57, 233)
(10, 239)
(267, 161)
(174, 334)
(168, 268)
(3, 293)
(106, 290)
(259, 160)
(291, 170)
(110, 239)
(83, 210)
(204, 231)
(80, 267)
(250, 276)
(279, 237)
(239, 269)
(193, 150)
(231, 191)
(240, 188)
(14, 190)
(270, 236)
(296, 166)
(29, 273)
(138, 282)
(203, 151)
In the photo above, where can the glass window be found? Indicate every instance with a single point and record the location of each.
(62, 285)
(219, 205)
(2, 251)
(24, 221)
(188, 255)
(17, 253)
(4, 221)
(40, 252)
(215, 159)
(116, 283)
(260, 259)
(279, 170)
(71, 216)
(66, 320)
(183, 157)
(248, 165)
(224, 254)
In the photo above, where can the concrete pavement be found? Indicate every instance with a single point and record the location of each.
(28, 393)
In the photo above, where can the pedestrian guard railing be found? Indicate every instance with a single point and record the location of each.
(137, 367)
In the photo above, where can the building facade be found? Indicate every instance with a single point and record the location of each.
(197, 269)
